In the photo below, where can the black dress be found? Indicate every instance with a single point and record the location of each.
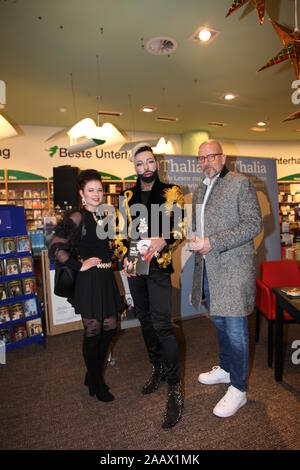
(96, 292)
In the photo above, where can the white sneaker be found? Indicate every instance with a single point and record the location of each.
(215, 376)
(232, 401)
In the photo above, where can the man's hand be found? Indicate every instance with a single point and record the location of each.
(200, 245)
(206, 246)
(156, 246)
(125, 262)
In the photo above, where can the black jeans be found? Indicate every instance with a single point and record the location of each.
(152, 298)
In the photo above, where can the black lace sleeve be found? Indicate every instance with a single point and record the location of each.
(64, 244)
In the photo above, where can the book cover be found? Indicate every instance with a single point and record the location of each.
(28, 285)
(23, 243)
(26, 264)
(34, 327)
(30, 307)
(9, 245)
(2, 270)
(5, 335)
(17, 312)
(4, 314)
(19, 332)
(11, 266)
(15, 288)
(137, 262)
(27, 193)
(3, 291)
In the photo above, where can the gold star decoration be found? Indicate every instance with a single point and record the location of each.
(293, 116)
(291, 41)
(260, 6)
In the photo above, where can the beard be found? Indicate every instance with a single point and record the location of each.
(210, 172)
(149, 179)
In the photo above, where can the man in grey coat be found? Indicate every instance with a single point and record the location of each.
(226, 218)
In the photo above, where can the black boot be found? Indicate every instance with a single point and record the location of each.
(158, 375)
(103, 346)
(86, 383)
(90, 354)
(174, 406)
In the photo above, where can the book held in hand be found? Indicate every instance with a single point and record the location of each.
(137, 257)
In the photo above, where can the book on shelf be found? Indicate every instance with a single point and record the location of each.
(23, 243)
(16, 311)
(19, 332)
(15, 288)
(11, 194)
(30, 307)
(29, 285)
(27, 204)
(2, 268)
(137, 262)
(8, 245)
(4, 314)
(34, 327)
(3, 291)
(5, 335)
(11, 266)
(36, 204)
(36, 194)
(292, 291)
(27, 194)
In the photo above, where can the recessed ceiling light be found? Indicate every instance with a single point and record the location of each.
(148, 109)
(230, 96)
(259, 129)
(167, 118)
(297, 130)
(161, 45)
(62, 110)
(261, 124)
(204, 34)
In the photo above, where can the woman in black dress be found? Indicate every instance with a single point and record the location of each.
(96, 296)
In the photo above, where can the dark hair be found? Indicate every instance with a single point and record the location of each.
(146, 148)
(86, 176)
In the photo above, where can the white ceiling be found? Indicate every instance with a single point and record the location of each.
(43, 42)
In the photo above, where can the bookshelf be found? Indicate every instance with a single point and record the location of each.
(289, 216)
(20, 319)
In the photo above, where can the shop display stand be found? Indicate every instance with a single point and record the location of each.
(13, 226)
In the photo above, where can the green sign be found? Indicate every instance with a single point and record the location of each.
(14, 175)
(295, 177)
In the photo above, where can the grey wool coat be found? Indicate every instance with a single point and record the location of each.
(232, 218)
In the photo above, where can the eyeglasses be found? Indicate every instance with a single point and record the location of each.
(210, 158)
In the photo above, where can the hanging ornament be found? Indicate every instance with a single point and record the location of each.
(293, 116)
(291, 41)
(260, 6)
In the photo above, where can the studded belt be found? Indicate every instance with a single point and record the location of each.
(104, 265)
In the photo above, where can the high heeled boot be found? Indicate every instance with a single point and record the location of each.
(174, 406)
(90, 355)
(104, 341)
(158, 375)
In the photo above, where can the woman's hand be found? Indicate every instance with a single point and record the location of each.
(90, 263)
(156, 246)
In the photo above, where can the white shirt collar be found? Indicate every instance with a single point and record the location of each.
(209, 182)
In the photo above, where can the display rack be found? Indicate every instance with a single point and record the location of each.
(20, 319)
(289, 213)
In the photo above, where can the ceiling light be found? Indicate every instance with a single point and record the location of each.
(259, 129)
(167, 119)
(163, 147)
(297, 130)
(229, 97)
(204, 34)
(96, 135)
(148, 109)
(6, 129)
(62, 110)
(162, 45)
(261, 124)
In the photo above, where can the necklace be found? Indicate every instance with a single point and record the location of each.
(97, 218)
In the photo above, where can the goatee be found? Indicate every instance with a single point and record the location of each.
(149, 179)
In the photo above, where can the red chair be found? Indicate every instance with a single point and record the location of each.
(273, 274)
